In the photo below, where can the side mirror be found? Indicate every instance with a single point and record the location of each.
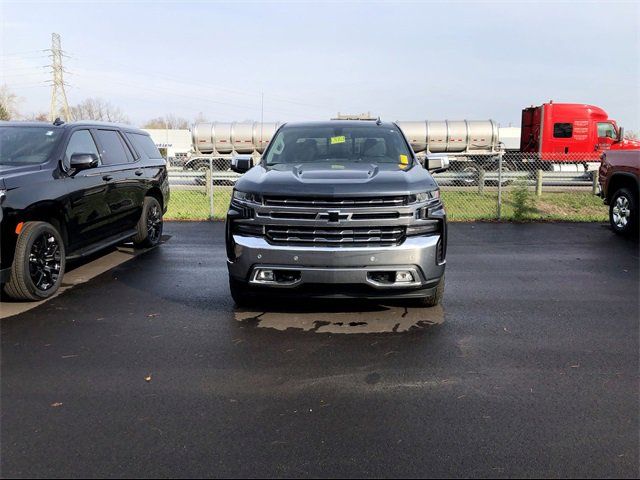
(241, 163)
(83, 161)
(620, 134)
(436, 163)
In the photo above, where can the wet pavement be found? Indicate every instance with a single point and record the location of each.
(530, 368)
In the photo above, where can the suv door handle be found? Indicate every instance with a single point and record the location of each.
(139, 172)
(107, 178)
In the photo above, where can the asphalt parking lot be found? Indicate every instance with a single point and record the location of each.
(529, 369)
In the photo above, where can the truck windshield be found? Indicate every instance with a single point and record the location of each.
(27, 145)
(366, 143)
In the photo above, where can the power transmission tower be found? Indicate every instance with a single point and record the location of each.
(59, 104)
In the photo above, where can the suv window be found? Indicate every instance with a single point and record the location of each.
(114, 150)
(81, 141)
(144, 145)
(562, 130)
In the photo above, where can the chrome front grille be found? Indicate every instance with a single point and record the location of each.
(328, 202)
(336, 236)
(337, 222)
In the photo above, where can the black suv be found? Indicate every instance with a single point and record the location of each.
(68, 190)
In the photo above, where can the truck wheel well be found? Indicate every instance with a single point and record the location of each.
(621, 181)
(50, 213)
(157, 194)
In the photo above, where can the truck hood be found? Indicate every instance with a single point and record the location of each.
(12, 176)
(343, 179)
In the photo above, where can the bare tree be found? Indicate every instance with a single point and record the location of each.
(38, 117)
(8, 103)
(200, 118)
(4, 113)
(98, 109)
(170, 121)
(630, 135)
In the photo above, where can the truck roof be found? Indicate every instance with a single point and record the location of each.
(340, 123)
(81, 123)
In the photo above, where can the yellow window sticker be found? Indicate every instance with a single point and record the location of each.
(340, 139)
(404, 160)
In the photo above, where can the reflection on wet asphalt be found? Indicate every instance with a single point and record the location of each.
(149, 370)
(352, 318)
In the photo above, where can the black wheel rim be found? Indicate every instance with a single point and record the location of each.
(154, 223)
(45, 261)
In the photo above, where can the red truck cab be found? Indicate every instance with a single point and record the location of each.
(559, 131)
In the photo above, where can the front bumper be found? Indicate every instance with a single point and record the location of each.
(341, 267)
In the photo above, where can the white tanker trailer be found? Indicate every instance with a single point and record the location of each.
(462, 141)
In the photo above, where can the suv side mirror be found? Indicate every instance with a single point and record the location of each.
(436, 163)
(83, 161)
(241, 163)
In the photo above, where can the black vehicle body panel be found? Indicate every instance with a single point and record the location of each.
(88, 206)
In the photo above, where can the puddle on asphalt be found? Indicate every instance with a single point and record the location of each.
(346, 319)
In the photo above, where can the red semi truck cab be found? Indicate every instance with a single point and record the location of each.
(567, 131)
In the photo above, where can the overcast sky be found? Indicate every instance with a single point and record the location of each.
(402, 61)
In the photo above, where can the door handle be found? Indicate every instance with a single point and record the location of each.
(139, 172)
(107, 178)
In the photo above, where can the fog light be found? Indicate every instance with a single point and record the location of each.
(266, 275)
(404, 277)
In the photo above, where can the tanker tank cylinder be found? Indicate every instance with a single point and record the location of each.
(230, 137)
(447, 136)
(456, 137)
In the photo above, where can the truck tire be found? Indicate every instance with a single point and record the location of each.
(38, 264)
(435, 299)
(623, 212)
(239, 293)
(150, 224)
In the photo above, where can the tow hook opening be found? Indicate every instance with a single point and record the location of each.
(391, 277)
(273, 276)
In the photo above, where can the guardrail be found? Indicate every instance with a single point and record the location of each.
(537, 178)
(460, 179)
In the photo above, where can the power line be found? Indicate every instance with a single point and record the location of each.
(181, 81)
(59, 102)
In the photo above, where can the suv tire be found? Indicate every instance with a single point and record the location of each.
(38, 264)
(150, 224)
(435, 299)
(623, 212)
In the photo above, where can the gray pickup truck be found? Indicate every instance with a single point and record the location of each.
(337, 209)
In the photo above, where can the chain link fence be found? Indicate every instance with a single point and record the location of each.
(507, 186)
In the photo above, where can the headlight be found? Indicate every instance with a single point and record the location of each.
(247, 197)
(424, 196)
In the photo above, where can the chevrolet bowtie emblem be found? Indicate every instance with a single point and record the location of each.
(334, 216)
